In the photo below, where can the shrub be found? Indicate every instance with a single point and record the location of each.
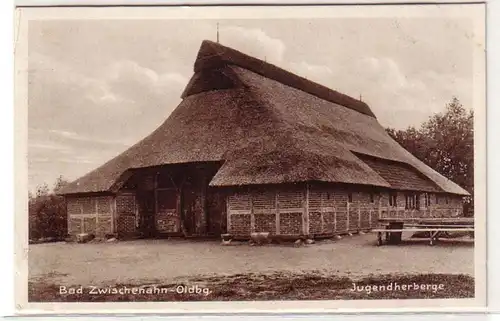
(47, 213)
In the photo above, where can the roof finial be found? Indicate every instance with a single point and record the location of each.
(217, 32)
(360, 97)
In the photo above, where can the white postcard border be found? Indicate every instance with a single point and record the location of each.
(22, 19)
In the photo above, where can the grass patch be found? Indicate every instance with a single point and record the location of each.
(277, 286)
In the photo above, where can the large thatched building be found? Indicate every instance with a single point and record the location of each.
(252, 147)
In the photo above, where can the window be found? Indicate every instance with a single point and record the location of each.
(372, 198)
(412, 201)
(427, 200)
(393, 199)
(447, 199)
(349, 197)
(437, 199)
(409, 201)
(328, 195)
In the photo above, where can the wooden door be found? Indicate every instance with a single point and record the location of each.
(188, 210)
(216, 207)
(167, 216)
(146, 202)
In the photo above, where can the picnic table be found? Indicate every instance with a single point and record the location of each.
(436, 227)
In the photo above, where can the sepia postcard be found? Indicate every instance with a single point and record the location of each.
(250, 159)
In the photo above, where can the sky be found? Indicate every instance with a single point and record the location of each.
(96, 87)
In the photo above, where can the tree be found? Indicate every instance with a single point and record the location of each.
(445, 142)
(42, 190)
(60, 183)
(47, 212)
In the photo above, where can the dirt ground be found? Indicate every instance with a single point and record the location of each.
(276, 286)
(154, 261)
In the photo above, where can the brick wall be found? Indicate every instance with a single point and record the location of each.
(315, 223)
(265, 223)
(441, 208)
(329, 223)
(90, 214)
(75, 225)
(126, 213)
(448, 206)
(331, 207)
(241, 217)
(340, 209)
(282, 211)
(126, 225)
(240, 224)
(291, 223)
(273, 210)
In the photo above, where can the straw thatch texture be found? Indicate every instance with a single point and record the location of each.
(212, 56)
(323, 129)
(400, 175)
(264, 131)
(202, 128)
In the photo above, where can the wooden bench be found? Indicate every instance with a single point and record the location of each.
(434, 232)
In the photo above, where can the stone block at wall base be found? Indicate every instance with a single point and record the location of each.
(84, 237)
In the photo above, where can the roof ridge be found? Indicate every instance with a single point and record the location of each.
(214, 55)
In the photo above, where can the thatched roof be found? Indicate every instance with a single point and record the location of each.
(400, 175)
(267, 126)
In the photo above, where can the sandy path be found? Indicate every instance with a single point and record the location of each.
(167, 260)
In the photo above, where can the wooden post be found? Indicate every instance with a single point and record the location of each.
(398, 210)
(228, 214)
(112, 214)
(348, 212)
(359, 214)
(372, 208)
(305, 215)
(380, 207)
(252, 214)
(136, 210)
(178, 208)
(335, 223)
(204, 201)
(155, 195)
(429, 208)
(96, 214)
(68, 215)
(321, 212)
(82, 223)
(277, 213)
